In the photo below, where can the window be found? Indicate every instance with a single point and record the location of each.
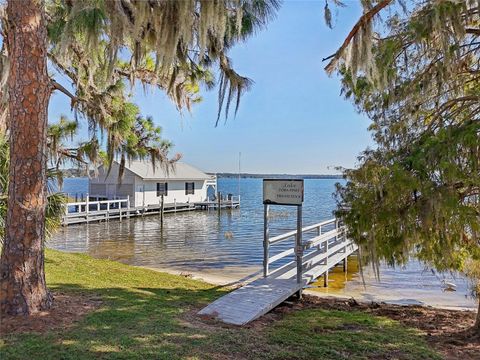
(189, 188)
(162, 189)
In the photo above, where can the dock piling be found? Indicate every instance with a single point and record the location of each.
(162, 204)
(325, 276)
(87, 207)
(299, 249)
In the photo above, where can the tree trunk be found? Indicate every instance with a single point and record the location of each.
(22, 277)
(477, 322)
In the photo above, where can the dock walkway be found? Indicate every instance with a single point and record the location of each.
(87, 211)
(323, 251)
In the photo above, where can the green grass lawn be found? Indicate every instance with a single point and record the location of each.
(146, 314)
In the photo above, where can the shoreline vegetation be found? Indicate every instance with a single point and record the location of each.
(133, 313)
(275, 176)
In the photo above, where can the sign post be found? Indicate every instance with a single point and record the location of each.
(283, 192)
(266, 240)
(299, 246)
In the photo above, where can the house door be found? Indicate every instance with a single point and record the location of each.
(140, 199)
(111, 191)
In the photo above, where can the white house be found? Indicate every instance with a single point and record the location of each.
(145, 184)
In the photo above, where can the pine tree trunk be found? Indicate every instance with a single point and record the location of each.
(22, 277)
(477, 322)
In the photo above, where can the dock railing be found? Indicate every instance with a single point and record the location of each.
(211, 181)
(328, 238)
(234, 199)
(325, 245)
(88, 209)
(220, 201)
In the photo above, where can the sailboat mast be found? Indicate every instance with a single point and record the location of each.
(239, 170)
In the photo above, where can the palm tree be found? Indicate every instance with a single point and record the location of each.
(55, 200)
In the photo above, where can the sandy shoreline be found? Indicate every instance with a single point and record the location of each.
(236, 277)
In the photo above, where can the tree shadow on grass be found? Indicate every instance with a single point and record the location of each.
(131, 323)
(158, 323)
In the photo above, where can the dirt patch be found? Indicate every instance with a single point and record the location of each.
(448, 331)
(67, 309)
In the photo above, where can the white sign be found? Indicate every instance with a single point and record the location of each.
(283, 192)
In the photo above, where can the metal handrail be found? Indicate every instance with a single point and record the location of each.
(321, 241)
(285, 236)
(316, 241)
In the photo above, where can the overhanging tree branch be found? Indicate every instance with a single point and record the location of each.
(364, 19)
(61, 88)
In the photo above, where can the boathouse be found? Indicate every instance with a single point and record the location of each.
(145, 184)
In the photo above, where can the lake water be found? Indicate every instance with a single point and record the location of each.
(230, 244)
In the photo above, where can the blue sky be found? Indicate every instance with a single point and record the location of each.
(293, 120)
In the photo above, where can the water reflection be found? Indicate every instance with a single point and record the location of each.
(337, 277)
(193, 239)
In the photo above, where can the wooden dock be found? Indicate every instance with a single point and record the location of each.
(232, 203)
(327, 248)
(88, 211)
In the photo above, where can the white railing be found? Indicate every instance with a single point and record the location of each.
(234, 199)
(90, 208)
(328, 238)
(212, 180)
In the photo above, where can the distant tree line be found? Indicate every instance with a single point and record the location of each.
(276, 176)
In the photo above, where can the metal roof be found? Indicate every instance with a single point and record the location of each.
(181, 171)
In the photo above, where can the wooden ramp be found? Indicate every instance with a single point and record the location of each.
(251, 301)
(255, 299)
